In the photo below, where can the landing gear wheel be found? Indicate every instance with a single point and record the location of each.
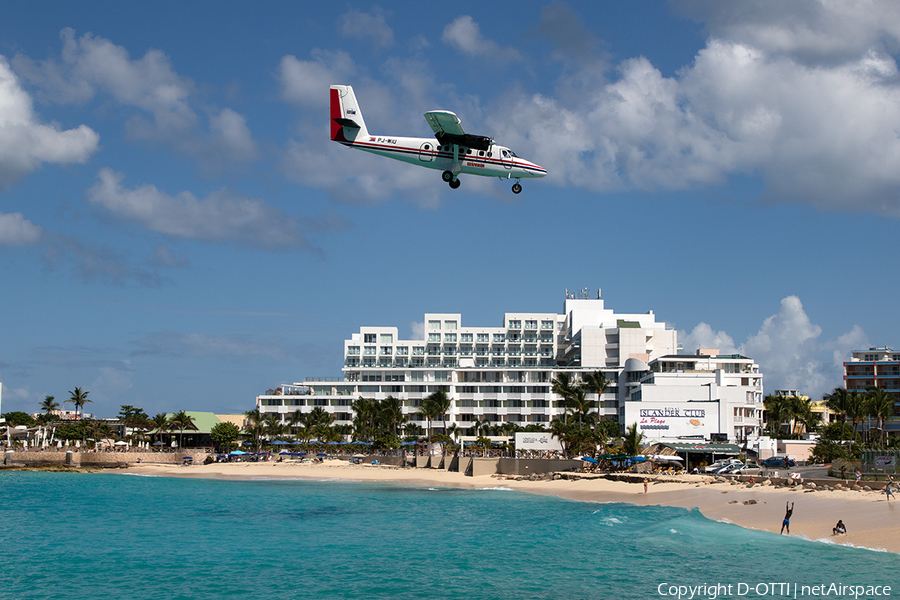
(454, 184)
(516, 188)
(447, 176)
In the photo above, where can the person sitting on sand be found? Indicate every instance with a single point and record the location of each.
(786, 524)
(839, 528)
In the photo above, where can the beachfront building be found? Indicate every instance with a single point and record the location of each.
(502, 374)
(701, 396)
(876, 368)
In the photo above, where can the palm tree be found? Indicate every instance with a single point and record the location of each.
(255, 426)
(49, 404)
(880, 406)
(596, 383)
(579, 405)
(390, 414)
(563, 387)
(838, 401)
(79, 398)
(160, 423)
(856, 411)
(777, 412)
(183, 421)
(632, 443)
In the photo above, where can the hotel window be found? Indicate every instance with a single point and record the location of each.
(418, 350)
(369, 338)
(417, 375)
(530, 324)
(539, 418)
(465, 338)
(387, 350)
(434, 325)
(450, 325)
(369, 351)
(465, 350)
(387, 338)
(352, 350)
(450, 337)
(498, 350)
(402, 350)
(434, 337)
(546, 324)
(499, 337)
(450, 350)
(515, 324)
(546, 338)
(482, 337)
(442, 375)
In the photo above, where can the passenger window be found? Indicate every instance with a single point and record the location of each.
(481, 153)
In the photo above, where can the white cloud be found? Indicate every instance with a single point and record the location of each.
(15, 230)
(306, 82)
(787, 348)
(91, 65)
(367, 26)
(818, 129)
(705, 337)
(25, 143)
(464, 34)
(222, 216)
(418, 330)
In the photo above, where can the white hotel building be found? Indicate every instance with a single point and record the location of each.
(502, 374)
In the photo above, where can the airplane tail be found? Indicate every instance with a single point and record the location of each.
(347, 123)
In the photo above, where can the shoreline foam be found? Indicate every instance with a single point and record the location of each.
(872, 522)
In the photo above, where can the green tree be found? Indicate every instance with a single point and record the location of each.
(181, 421)
(224, 435)
(632, 442)
(49, 404)
(160, 423)
(79, 398)
(880, 405)
(16, 418)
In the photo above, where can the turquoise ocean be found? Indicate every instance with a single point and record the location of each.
(118, 536)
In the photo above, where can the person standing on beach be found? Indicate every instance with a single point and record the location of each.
(786, 524)
(858, 476)
(645, 485)
(888, 492)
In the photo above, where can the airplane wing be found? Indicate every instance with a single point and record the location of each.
(444, 122)
(448, 130)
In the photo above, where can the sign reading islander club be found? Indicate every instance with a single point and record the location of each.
(537, 441)
(672, 420)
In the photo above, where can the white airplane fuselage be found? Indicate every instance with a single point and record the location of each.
(490, 160)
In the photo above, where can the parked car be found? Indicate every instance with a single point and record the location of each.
(746, 470)
(778, 462)
(720, 464)
(732, 468)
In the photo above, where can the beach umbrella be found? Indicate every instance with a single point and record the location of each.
(280, 443)
(121, 443)
(321, 454)
(588, 459)
(238, 452)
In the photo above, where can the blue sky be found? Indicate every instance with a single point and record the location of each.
(178, 233)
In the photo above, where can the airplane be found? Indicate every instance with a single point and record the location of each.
(454, 153)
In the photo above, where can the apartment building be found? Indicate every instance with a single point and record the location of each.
(501, 373)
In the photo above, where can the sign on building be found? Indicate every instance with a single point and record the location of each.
(673, 420)
(537, 441)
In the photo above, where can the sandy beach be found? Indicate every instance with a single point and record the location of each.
(872, 522)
